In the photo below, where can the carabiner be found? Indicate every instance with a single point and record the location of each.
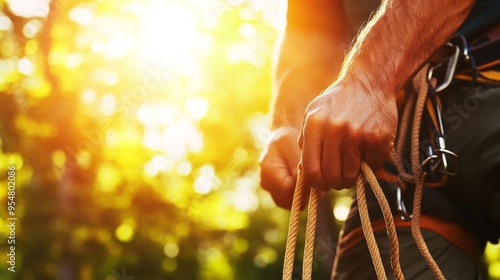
(405, 216)
(450, 68)
(444, 152)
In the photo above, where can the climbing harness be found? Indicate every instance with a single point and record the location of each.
(367, 176)
(456, 60)
(432, 171)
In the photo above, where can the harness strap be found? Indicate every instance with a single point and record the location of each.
(485, 54)
(479, 60)
(452, 232)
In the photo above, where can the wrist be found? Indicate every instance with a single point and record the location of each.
(285, 129)
(364, 81)
(293, 121)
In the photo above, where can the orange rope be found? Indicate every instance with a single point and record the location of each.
(388, 218)
(422, 88)
(293, 228)
(310, 234)
(367, 176)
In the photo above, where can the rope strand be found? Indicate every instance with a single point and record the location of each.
(368, 175)
(293, 228)
(368, 230)
(422, 87)
(310, 234)
(388, 218)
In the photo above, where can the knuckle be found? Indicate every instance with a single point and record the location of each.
(341, 128)
(311, 121)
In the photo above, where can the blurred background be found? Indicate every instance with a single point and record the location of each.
(135, 127)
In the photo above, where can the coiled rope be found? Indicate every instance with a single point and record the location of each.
(367, 176)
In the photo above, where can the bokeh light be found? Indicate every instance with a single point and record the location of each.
(135, 127)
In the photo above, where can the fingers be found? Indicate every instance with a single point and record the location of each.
(279, 166)
(310, 164)
(375, 148)
(351, 165)
(279, 183)
(290, 153)
(376, 151)
(332, 161)
(339, 131)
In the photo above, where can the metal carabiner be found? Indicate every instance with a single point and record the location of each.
(450, 68)
(441, 150)
(444, 152)
(401, 205)
(441, 147)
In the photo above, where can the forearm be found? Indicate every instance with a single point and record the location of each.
(309, 58)
(297, 82)
(398, 40)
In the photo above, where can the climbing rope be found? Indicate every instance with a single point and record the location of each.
(422, 86)
(310, 233)
(367, 176)
(293, 228)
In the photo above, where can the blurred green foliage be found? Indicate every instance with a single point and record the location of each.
(135, 128)
(136, 135)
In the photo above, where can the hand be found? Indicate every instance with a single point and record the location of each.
(279, 165)
(343, 126)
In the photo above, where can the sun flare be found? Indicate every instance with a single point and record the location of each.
(170, 34)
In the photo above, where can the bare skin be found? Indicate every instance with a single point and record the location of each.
(355, 118)
(298, 80)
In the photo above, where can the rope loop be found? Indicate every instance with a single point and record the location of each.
(416, 105)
